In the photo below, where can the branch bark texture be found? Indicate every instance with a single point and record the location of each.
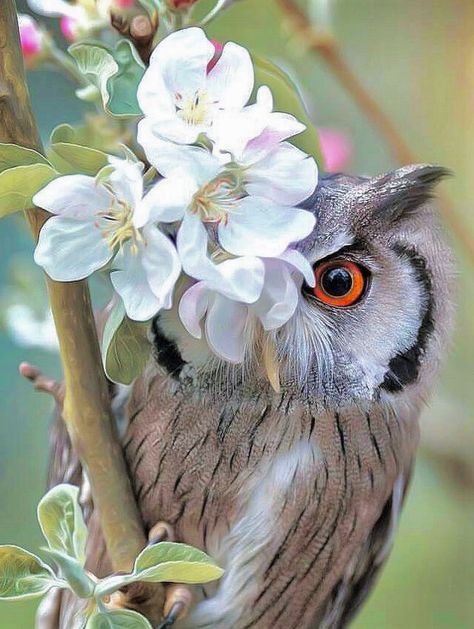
(86, 405)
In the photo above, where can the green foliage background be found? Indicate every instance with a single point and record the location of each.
(417, 58)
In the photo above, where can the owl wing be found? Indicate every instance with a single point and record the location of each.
(357, 582)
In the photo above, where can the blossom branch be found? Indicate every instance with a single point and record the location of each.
(326, 46)
(86, 405)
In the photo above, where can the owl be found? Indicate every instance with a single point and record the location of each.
(296, 490)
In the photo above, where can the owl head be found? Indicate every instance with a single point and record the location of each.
(376, 321)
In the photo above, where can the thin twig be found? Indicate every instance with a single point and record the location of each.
(86, 404)
(326, 46)
(43, 383)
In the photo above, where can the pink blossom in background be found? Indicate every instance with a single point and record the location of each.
(124, 4)
(30, 36)
(68, 27)
(181, 4)
(336, 147)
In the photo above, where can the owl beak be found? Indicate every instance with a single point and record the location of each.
(271, 364)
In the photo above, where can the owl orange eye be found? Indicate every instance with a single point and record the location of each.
(339, 282)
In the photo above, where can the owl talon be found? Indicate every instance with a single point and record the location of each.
(178, 600)
(160, 532)
(171, 617)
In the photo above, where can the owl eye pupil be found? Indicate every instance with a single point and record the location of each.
(337, 282)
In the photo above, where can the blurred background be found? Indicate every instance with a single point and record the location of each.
(416, 58)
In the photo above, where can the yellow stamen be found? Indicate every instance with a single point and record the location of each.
(193, 109)
(121, 228)
(217, 199)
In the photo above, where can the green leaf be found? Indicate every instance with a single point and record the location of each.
(125, 347)
(18, 186)
(288, 100)
(63, 133)
(61, 521)
(96, 63)
(118, 619)
(79, 582)
(12, 155)
(115, 72)
(179, 563)
(70, 159)
(23, 575)
(98, 131)
(166, 561)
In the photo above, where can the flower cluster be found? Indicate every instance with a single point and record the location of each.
(223, 211)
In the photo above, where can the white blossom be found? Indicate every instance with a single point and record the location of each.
(94, 223)
(181, 97)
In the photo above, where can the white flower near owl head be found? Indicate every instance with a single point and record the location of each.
(224, 213)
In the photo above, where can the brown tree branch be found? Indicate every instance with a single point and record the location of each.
(86, 404)
(326, 46)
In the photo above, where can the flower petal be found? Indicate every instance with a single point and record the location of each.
(279, 298)
(192, 244)
(225, 328)
(260, 227)
(127, 180)
(70, 250)
(161, 264)
(231, 80)
(192, 308)
(297, 260)
(181, 59)
(169, 158)
(177, 68)
(286, 175)
(131, 283)
(240, 279)
(76, 197)
(166, 201)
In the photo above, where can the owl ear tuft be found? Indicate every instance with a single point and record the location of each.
(400, 193)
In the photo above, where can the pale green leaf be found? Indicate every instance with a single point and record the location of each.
(125, 347)
(288, 100)
(111, 584)
(123, 86)
(98, 131)
(72, 571)
(23, 575)
(18, 186)
(70, 159)
(61, 521)
(165, 562)
(63, 133)
(179, 563)
(115, 72)
(96, 63)
(118, 619)
(12, 155)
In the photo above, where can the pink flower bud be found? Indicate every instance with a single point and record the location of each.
(336, 148)
(180, 5)
(30, 36)
(68, 27)
(124, 4)
(218, 48)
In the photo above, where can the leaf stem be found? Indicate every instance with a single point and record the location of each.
(326, 46)
(86, 406)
